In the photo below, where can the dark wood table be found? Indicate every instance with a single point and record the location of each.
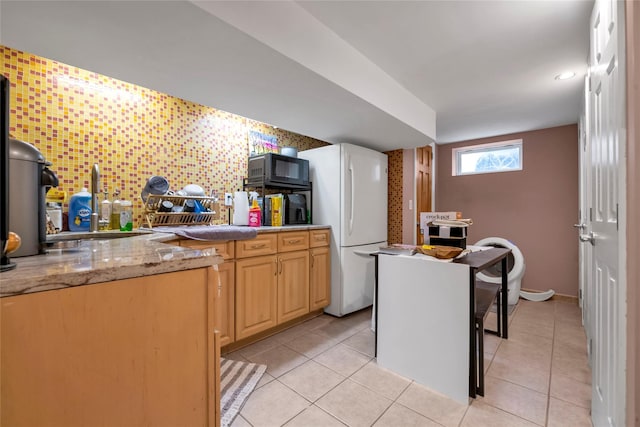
(477, 261)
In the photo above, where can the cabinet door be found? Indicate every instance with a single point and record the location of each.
(320, 278)
(256, 295)
(225, 303)
(131, 352)
(293, 285)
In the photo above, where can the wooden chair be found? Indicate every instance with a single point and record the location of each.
(486, 293)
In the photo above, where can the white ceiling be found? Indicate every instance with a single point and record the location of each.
(382, 74)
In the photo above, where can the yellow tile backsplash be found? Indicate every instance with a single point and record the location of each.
(77, 118)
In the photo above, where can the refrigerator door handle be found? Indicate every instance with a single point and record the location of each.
(351, 199)
(365, 253)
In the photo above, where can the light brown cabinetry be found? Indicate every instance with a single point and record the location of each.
(320, 269)
(224, 320)
(293, 241)
(256, 295)
(225, 303)
(270, 280)
(263, 244)
(293, 285)
(137, 351)
(319, 278)
(318, 238)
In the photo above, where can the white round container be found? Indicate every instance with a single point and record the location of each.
(289, 151)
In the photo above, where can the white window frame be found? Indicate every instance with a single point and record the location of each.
(456, 154)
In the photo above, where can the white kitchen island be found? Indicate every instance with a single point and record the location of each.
(425, 319)
(423, 322)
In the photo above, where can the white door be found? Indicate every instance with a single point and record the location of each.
(585, 277)
(606, 228)
(364, 196)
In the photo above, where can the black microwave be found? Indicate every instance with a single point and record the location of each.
(278, 170)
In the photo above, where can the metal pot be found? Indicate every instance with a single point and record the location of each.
(29, 180)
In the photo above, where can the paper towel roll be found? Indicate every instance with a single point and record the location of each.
(240, 208)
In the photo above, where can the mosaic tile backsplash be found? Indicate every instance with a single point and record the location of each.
(395, 188)
(77, 118)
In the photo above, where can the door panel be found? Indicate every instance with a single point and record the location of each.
(424, 156)
(605, 236)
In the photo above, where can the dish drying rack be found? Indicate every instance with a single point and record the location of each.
(156, 218)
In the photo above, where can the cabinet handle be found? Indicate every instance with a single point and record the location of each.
(276, 271)
(257, 246)
(321, 237)
(280, 266)
(295, 241)
(313, 258)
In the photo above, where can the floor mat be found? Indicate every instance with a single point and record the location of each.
(237, 381)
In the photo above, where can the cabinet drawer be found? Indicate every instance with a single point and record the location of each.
(293, 241)
(224, 249)
(319, 238)
(264, 244)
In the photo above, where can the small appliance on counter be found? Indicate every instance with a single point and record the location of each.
(273, 169)
(295, 209)
(5, 261)
(29, 180)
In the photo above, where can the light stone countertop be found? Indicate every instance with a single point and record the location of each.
(105, 260)
(298, 227)
(97, 261)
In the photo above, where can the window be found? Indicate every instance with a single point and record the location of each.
(487, 158)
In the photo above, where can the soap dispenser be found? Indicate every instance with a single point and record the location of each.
(105, 211)
(114, 222)
(80, 211)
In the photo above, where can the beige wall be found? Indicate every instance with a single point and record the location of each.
(633, 213)
(534, 208)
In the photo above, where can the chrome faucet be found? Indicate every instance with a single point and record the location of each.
(95, 185)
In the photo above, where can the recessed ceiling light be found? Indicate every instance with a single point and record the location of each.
(566, 75)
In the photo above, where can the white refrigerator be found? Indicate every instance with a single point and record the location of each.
(350, 194)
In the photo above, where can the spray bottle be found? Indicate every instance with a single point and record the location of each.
(255, 214)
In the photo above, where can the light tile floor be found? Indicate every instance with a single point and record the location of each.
(323, 373)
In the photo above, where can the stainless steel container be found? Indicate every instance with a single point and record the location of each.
(29, 180)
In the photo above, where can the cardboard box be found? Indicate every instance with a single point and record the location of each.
(273, 210)
(277, 210)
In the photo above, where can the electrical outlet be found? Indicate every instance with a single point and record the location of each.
(228, 199)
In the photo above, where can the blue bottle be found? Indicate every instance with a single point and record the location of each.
(80, 211)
